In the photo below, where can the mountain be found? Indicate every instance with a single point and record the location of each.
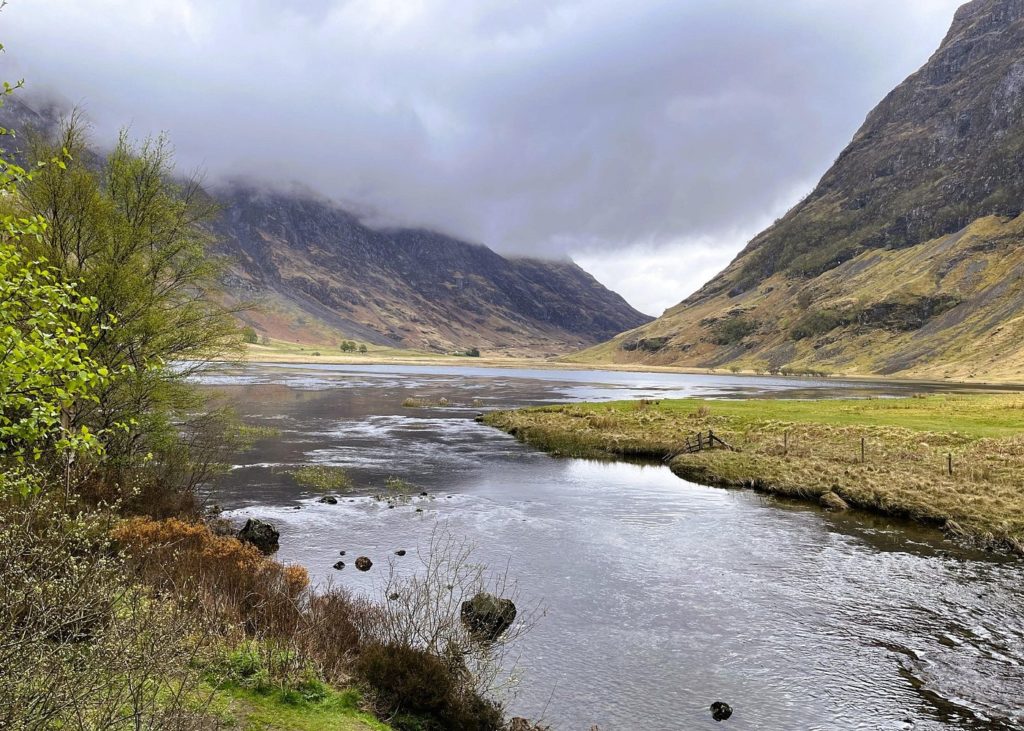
(908, 256)
(320, 273)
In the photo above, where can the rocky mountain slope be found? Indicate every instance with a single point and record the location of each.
(907, 257)
(319, 274)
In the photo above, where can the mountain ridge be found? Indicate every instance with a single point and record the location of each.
(871, 266)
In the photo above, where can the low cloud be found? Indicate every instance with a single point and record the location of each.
(592, 128)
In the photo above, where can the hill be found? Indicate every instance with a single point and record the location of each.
(906, 258)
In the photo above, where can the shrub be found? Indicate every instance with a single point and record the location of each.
(249, 335)
(82, 645)
(423, 692)
(817, 322)
(732, 329)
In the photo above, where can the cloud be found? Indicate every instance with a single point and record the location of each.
(591, 128)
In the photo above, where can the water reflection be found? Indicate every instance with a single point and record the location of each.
(661, 596)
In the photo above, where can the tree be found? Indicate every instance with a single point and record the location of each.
(46, 371)
(133, 240)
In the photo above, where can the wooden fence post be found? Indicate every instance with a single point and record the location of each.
(949, 463)
(862, 450)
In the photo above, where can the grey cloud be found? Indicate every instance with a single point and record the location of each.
(537, 127)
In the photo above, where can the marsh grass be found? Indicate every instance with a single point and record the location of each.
(322, 477)
(804, 449)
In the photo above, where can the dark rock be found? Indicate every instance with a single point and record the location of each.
(488, 616)
(720, 711)
(260, 534)
(328, 499)
(341, 553)
(340, 565)
(424, 494)
(400, 552)
(363, 563)
(419, 510)
(393, 596)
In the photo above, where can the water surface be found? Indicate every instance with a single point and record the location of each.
(661, 596)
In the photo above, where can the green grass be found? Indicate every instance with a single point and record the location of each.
(247, 709)
(970, 415)
(322, 477)
(806, 449)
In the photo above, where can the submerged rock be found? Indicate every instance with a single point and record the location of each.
(363, 563)
(831, 501)
(260, 534)
(328, 499)
(340, 565)
(488, 616)
(720, 711)
(400, 552)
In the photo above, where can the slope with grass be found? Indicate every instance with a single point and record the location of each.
(906, 258)
(810, 449)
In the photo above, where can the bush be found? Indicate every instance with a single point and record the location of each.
(817, 322)
(82, 645)
(732, 330)
(249, 335)
(424, 693)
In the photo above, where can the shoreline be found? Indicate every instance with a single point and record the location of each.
(803, 451)
(259, 355)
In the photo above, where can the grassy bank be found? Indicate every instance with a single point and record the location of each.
(809, 449)
(246, 709)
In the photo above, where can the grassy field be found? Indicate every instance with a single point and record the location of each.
(250, 710)
(813, 450)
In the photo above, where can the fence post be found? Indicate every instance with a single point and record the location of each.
(949, 463)
(862, 450)
(785, 443)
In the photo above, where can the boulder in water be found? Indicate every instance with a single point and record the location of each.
(260, 534)
(363, 563)
(488, 616)
(832, 502)
(720, 711)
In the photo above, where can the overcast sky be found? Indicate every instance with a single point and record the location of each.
(647, 139)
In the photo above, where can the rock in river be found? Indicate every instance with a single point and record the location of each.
(328, 499)
(720, 711)
(488, 616)
(260, 534)
(363, 563)
(831, 501)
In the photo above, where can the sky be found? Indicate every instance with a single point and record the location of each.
(648, 140)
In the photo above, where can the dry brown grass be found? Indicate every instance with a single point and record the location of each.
(806, 449)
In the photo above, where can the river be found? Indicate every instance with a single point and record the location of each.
(659, 596)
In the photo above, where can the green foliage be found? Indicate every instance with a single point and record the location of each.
(46, 369)
(322, 477)
(362, 347)
(250, 336)
(732, 329)
(129, 240)
(347, 346)
(818, 322)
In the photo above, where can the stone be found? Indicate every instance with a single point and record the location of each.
(363, 563)
(328, 499)
(400, 552)
(721, 711)
(488, 616)
(833, 503)
(340, 565)
(261, 534)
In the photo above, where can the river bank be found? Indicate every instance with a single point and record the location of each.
(953, 461)
(285, 353)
